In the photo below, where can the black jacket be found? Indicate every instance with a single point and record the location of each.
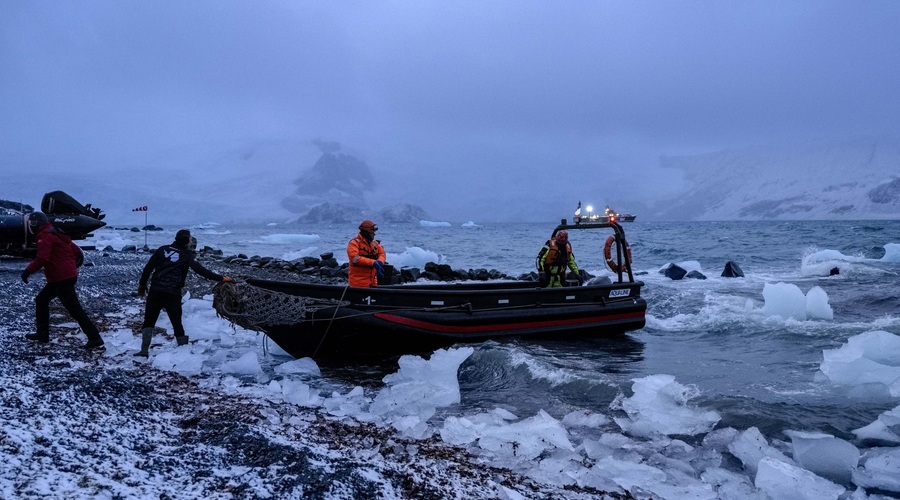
(169, 266)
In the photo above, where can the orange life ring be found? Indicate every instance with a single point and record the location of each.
(607, 254)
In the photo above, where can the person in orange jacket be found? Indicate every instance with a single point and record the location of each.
(366, 257)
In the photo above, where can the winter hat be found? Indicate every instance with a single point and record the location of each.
(36, 220)
(183, 237)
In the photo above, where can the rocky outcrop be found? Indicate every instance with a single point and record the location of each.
(732, 270)
(401, 212)
(335, 178)
(888, 192)
(333, 213)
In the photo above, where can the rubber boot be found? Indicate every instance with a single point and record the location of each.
(38, 337)
(146, 336)
(94, 342)
(183, 340)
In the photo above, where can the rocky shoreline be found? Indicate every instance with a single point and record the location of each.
(78, 424)
(326, 269)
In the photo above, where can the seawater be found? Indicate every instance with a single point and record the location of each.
(754, 369)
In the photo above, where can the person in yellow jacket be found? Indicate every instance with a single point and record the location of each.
(558, 257)
(366, 257)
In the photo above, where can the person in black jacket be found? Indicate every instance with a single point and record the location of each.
(169, 266)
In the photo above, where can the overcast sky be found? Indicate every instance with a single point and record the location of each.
(498, 87)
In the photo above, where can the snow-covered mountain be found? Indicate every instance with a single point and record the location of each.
(281, 180)
(850, 179)
(336, 178)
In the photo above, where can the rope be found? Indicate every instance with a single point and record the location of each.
(330, 322)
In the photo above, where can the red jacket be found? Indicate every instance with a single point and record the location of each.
(56, 254)
(362, 255)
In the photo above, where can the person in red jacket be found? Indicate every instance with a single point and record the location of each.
(59, 258)
(366, 257)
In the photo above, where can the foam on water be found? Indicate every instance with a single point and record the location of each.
(540, 370)
(290, 239)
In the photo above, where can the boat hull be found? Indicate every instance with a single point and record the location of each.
(416, 318)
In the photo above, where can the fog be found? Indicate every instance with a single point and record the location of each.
(455, 106)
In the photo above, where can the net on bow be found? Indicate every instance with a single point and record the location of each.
(252, 307)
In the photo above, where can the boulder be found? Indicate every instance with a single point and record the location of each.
(673, 271)
(732, 270)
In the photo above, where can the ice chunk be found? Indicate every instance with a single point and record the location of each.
(420, 386)
(299, 367)
(750, 447)
(351, 404)
(731, 485)
(817, 304)
(881, 470)
(226, 339)
(584, 418)
(824, 455)
(719, 439)
(783, 481)
(412, 426)
(464, 430)
(628, 474)
(181, 361)
(885, 428)
(528, 437)
(525, 439)
(297, 393)
(660, 406)
(784, 300)
(891, 252)
(645, 481)
(248, 364)
(868, 358)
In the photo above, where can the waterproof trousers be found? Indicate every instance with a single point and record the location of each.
(65, 291)
(171, 302)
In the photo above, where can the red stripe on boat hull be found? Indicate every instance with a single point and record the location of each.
(433, 327)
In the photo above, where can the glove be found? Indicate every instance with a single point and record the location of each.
(379, 268)
(25, 275)
(142, 290)
(578, 277)
(226, 279)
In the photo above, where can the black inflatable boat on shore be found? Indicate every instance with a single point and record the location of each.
(318, 320)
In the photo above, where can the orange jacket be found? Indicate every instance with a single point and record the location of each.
(362, 256)
(558, 257)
